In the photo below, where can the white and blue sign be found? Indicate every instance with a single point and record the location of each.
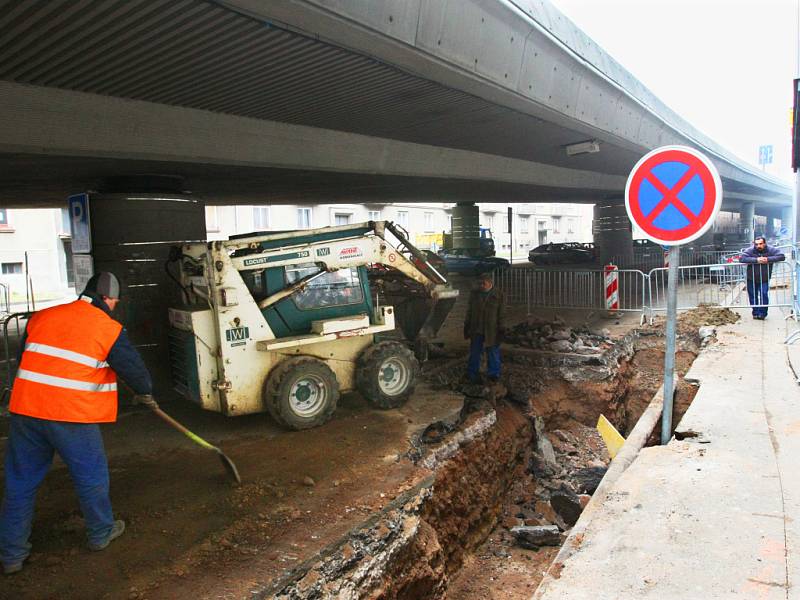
(80, 224)
(765, 155)
(673, 195)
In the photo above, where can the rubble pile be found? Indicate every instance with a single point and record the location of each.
(565, 468)
(555, 336)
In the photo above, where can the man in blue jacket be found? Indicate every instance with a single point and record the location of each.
(759, 260)
(34, 439)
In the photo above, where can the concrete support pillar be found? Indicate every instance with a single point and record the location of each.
(611, 229)
(786, 217)
(131, 236)
(769, 230)
(747, 214)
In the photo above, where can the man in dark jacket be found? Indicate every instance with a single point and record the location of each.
(483, 326)
(759, 260)
(63, 389)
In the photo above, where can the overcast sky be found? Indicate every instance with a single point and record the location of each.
(726, 66)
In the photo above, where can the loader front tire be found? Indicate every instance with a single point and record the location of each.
(386, 374)
(301, 393)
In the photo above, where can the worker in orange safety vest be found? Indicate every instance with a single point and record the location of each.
(65, 385)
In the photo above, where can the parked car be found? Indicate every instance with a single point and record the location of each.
(561, 254)
(473, 265)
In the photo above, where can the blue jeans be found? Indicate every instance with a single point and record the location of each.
(758, 294)
(492, 358)
(29, 454)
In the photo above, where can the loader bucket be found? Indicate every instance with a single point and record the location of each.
(420, 319)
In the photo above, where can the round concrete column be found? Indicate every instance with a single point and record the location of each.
(786, 217)
(747, 214)
(131, 236)
(611, 229)
(769, 230)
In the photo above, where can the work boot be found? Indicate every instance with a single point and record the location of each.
(12, 568)
(116, 531)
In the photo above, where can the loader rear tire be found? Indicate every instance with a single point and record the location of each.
(387, 373)
(301, 393)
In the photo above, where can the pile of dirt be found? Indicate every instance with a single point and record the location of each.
(556, 336)
(708, 315)
(690, 321)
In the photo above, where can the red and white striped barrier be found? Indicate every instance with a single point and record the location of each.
(612, 287)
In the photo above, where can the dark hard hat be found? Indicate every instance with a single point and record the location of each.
(103, 283)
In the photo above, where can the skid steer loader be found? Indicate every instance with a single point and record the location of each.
(284, 322)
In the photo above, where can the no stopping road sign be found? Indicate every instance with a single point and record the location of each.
(673, 195)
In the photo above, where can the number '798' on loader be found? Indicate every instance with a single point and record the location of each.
(283, 322)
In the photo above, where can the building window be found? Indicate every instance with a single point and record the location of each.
(402, 218)
(570, 225)
(212, 218)
(556, 224)
(523, 224)
(12, 268)
(260, 217)
(542, 226)
(341, 219)
(428, 221)
(374, 215)
(489, 220)
(304, 218)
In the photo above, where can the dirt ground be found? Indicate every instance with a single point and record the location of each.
(191, 534)
(500, 569)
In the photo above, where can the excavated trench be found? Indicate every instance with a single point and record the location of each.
(517, 445)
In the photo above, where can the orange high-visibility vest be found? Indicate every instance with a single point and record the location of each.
(63, 375)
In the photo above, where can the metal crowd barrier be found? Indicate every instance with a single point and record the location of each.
(715, 284)
(725, 285)
(10, 358)
(653, 258)
(578, 289)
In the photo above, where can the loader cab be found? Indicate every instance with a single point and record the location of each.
(333, 295)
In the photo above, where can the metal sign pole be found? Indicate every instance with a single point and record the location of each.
(669, 353)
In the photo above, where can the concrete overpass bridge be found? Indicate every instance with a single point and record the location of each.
(257, 101)
(310, 100)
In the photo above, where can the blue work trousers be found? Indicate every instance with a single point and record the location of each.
(759, 297)
(29, 454)
(492, 358)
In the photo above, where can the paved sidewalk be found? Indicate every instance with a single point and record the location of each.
(716, 515)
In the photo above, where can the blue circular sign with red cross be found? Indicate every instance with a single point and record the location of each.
(673, 195)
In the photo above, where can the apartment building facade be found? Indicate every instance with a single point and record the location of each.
(533, 224)
(38, 238)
